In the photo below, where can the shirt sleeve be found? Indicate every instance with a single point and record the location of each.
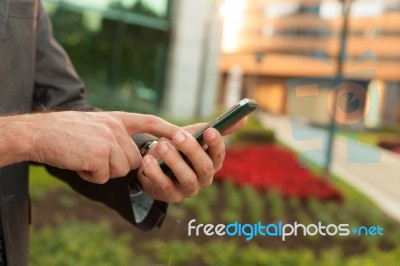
(58, 86)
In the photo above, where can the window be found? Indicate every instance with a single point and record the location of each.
(119, 49)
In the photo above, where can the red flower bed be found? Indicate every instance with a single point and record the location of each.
(266, 166)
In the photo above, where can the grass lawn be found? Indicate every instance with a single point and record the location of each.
(372, 137)
(40, 180)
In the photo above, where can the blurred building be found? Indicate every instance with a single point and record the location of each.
(157, 56)
(275, 42)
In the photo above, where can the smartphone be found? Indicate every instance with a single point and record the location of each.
(222, 122)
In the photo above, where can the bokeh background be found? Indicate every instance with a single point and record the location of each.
(324, 145)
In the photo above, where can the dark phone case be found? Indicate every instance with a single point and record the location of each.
(222, 122)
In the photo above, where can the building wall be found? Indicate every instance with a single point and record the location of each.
(193, 62)
(300, 39)
(391, 111)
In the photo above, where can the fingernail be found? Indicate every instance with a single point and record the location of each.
(162, 147)
(179, 137)
(147, 159)
(212, 134)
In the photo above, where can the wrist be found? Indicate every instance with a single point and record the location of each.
(15, 141)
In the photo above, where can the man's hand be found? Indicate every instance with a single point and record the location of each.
(189, 180)
(96, 144)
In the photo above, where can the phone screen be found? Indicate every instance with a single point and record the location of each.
(229, 117)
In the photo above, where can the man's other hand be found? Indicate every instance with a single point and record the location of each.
(95, 144)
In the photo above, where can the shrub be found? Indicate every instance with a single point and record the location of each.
(209, 194)
(276, 204)
(233, 202)
(219, 253)
(73, 243)
(173, 253)
(204, 212)
(228, 253)
(254, 204)
(201, 204)
(252, 132)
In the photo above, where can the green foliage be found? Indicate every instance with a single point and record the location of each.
(376, 257)
(294, 203)
(364, 212)
(385, 137)
(81, 243)
(221, 253)
(173, 253)
(202, 204)
(254, 204)
(177, 211)
(275, 201)
(209, 194)
(73, 243)
(350, 193)
(204, 212)
(333, 257)
(228, 253)
(40, 180)
(314, 205)
(323, 211)
(253, 132)
(234, 203)
(67, 201)
(303, 218)
(394, 236)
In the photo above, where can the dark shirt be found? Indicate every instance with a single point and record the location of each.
(2, 250)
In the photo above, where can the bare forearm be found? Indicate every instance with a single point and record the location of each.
(95, 144)
(15, 141)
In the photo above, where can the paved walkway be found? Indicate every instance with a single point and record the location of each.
(371, 170)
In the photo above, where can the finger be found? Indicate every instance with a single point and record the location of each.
(164, 186)
(135, 123)
(216, 147)
(130, 150)
(119, 164)
(98, 176)
(235, 126)
(151, 189)
(86, 175)
(200, 160)
(183, 172)
(148, 186)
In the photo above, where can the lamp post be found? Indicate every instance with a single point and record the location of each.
(259, 57)
(341, 57)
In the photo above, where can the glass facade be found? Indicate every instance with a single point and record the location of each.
(119, 49)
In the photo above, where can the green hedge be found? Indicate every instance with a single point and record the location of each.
(77, 243)
(252, 132)
(228, 253)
